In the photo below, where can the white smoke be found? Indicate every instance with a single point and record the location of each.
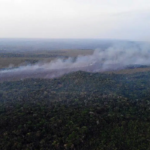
(113, 58)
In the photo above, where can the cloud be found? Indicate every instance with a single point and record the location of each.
(133, 25)
(126, 19)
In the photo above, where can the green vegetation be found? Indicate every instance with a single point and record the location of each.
(78, 111)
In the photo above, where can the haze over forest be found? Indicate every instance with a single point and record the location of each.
(106, 55)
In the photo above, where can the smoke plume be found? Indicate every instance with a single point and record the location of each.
(113, 58)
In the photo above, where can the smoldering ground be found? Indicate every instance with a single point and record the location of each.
(113, 58)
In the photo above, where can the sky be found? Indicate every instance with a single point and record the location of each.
(104, 19)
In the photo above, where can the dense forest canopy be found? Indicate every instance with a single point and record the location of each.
(77, 111)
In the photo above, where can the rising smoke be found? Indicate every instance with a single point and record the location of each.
(113, 58)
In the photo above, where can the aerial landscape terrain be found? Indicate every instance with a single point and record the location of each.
(74, 75)
(75, 97)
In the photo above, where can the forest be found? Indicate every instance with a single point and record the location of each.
(79, 111)
(74, 75)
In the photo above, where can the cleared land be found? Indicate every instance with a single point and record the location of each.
(16, 59)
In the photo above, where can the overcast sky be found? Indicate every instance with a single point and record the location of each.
(108, 19)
